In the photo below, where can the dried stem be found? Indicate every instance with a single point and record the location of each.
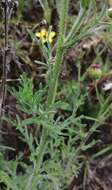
(5, 52)
(4, 65)
(7, 12)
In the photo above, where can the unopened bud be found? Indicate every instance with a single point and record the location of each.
(94, 71)
(109, 12)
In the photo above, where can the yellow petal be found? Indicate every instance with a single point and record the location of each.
(52, 34)
(50, 40)
(38, 34)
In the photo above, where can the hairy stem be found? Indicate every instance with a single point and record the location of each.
(40, 155)
(59, 54)
(52, 85)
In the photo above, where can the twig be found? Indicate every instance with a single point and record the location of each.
(11, 80)
(5, 53)
(7, 6)
(4, 65)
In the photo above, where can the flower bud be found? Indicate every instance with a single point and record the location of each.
(94, 71)
(109, 12)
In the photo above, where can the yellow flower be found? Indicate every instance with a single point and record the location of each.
(51, 36)
(45, 36)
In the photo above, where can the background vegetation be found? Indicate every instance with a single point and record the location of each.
(56, 95)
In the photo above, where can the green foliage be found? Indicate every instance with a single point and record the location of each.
(60, 144)
(56, 146)
(46, 9)
(26, 97)
(85, 3)
(22, 6)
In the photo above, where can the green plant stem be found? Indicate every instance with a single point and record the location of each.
(39, 160)
(54, 82)
(59, 54)
(52, 87)
(97, 93)
(42, 148)
(76, 25)
(79, 71)
(102, 116)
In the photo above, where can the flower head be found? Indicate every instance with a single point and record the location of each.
(45, 36)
